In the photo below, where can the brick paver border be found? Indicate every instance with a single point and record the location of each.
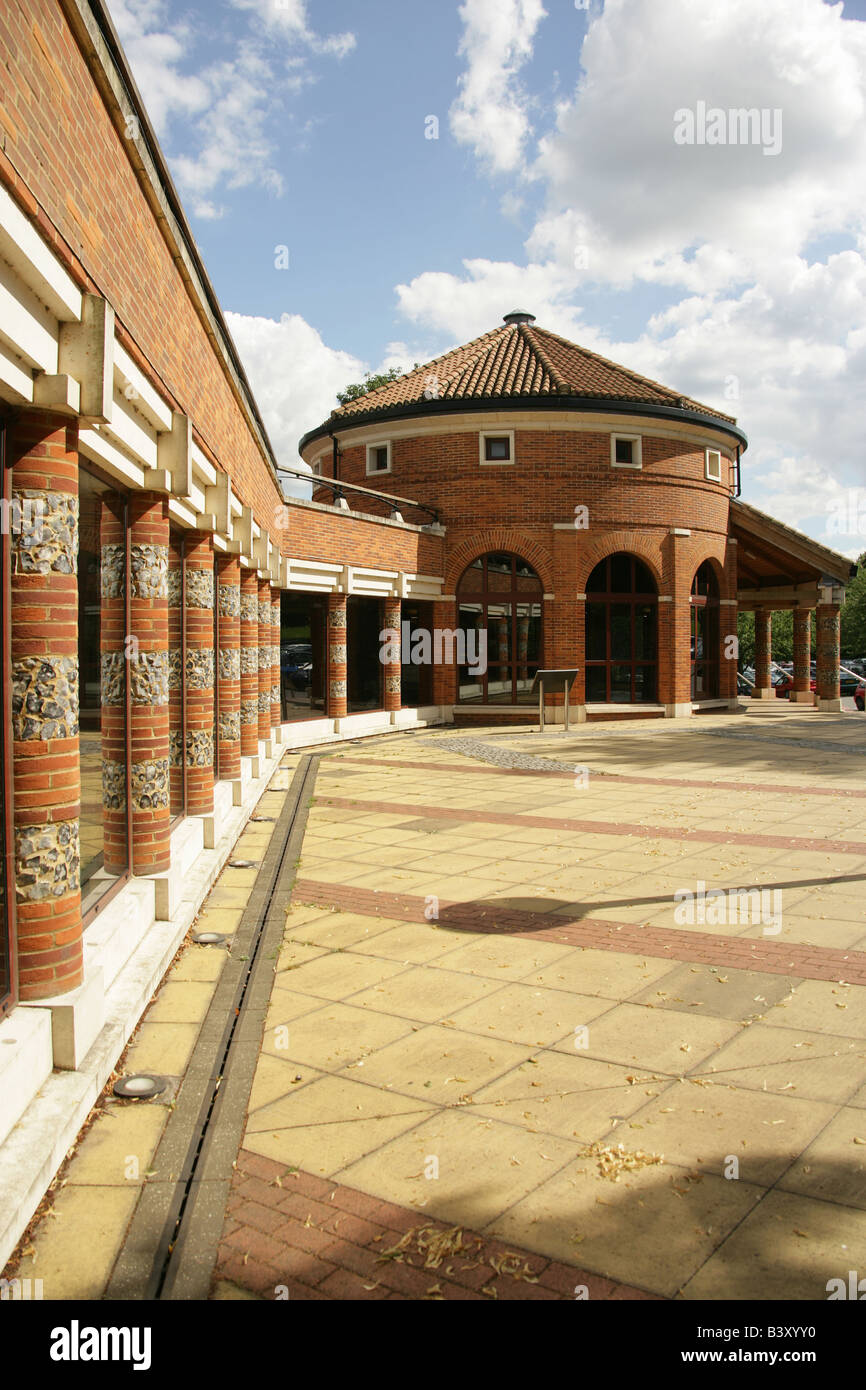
(675, 944)
(599, 827)
(313, 1239)
(711, 784)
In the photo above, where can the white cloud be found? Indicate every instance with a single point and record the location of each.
(647, 203)
(491, 114)
(294, 375)
(231, 104)
(726, 228)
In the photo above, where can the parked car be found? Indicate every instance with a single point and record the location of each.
(849, 682)
(785, 684)
(860, 696)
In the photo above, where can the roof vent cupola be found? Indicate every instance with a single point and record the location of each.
(519, 316)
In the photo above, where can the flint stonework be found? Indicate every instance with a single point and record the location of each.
(51, 546)
(149, 565)
(199, 669)
(111, 571)
(199, 588)
(148, 678)
(113, 785)
(45, 697)
(112, 678)
(150, 785)
(230, 600)
(230, 665)
(48, 861)
(229, 727)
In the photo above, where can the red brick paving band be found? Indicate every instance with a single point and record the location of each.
(312, 1239)
(599, 827)
(485, 770)
(676, 944)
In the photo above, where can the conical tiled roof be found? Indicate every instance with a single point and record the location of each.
(520, 360)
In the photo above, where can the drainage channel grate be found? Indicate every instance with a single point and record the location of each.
(171, 1245)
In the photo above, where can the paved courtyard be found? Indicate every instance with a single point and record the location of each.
(513, 1050)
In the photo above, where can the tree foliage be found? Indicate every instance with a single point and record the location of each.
(854, 615)
(370, 383)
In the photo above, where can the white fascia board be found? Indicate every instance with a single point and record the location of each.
(196, 499)
(16, 379)
(128, 429)
(181, 513)
(117, 464)
(23, 247)
(203, 466)
(146, 400)
(26, 325)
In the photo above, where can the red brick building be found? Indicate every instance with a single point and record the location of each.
(592, 520)
(170, 621)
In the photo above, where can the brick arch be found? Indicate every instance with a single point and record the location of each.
(718, 570)
(496, 539)
(620, 542)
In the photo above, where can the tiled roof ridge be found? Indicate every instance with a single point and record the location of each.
(530, 334)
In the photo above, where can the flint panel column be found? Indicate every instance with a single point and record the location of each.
(113, 674)
(43, 456)
(337, 659)
(249, 629)
(392, 617)
(265, 650)
(276, 709)
(199, 673)
(229, 598)
(802, 692)
(763, 654)
(177, 783)
(829, 646)
(148, 677)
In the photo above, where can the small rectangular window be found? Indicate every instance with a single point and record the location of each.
(714, 466)
(625, 450)
(378, 458)
(496, 448)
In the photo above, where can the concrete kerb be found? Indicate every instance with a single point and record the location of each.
(144, 1260)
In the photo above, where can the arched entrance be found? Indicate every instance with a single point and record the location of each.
(621, 633)
(500, 595)
(705, 633)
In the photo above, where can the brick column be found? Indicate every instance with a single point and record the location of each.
(829, 644)
(445, 677)
(229, 732)
(175, 676)
(763, 655)
(199, 673)
(249, 629)
(113, 673)
(391, 618)
(337, 668)
(265, 656)
(148, 676)
(802, 692)
(43, 456)
(276, 707)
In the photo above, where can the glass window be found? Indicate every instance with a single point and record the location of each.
(103, 672)
(499, 595)
(621, 632)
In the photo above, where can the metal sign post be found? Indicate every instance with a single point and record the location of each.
(552, 681)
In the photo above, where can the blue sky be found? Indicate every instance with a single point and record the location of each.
(555, 185)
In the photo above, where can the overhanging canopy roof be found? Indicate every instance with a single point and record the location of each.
(779, 566)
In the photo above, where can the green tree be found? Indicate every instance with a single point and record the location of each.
(854, 614)
(370, 383)
(782, 638)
